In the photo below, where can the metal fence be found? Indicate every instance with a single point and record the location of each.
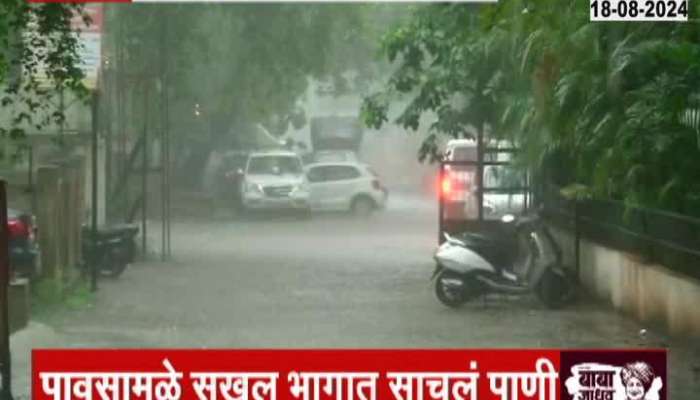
(661, 237)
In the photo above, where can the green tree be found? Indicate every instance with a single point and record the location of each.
(605, 102)
(250, 63)
(38, 59)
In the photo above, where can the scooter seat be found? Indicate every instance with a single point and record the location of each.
(497, 248)
(112, 231)
(482, 239)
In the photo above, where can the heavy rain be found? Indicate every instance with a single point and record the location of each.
(300, 175)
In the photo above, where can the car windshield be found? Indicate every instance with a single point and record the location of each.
(274, 165)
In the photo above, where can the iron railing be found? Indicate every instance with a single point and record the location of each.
(665, 238)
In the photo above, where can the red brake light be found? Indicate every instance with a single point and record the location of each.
(18, 229)
(446, 186)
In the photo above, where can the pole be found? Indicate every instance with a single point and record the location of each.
(168, 191)
(144, 172)
(6, 366)
(30, 169)
(480, 171)
(163, 137)
(93, 245)
(121, 125)
(30, 178)
(441, 203)
(577, 238)
(62, 110)
(107, 115)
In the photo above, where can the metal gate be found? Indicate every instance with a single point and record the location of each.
(476, 192)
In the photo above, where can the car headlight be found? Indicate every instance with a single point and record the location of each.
(253, 188)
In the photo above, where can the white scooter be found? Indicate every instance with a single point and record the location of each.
(523, 260)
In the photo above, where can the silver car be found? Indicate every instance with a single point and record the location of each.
(275, 180)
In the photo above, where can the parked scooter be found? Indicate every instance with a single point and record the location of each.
(111, 250)
(523, 260)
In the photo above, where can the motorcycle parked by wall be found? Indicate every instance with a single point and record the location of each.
(525, 259)
(112, 249)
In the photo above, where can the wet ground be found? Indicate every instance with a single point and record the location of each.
(332, 281)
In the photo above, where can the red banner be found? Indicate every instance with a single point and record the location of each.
(344, 374)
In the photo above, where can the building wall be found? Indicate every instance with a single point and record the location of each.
(649, 292)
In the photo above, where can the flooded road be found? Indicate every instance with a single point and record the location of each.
(328, 282)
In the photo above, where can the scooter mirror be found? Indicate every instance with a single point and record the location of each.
(508, 218)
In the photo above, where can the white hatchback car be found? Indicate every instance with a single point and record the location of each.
(345, 186)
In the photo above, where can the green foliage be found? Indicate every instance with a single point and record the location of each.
(38, 59)
(249, 63)
(600, 105)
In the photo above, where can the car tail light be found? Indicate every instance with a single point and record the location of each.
(446, 186)
(376, 185)
(19, 229)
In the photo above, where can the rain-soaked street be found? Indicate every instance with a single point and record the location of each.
(123, 126)
(332, 281)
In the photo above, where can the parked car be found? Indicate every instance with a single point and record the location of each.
(23, 248)
(345, 186)
(275, 180)
(334, 156)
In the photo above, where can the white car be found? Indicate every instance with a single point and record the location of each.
(275, 180)
(345, 186)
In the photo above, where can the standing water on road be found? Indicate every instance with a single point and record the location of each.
(290, 169)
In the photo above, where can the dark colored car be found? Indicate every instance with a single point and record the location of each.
(24, 251)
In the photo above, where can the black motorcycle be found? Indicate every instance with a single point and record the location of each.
(111, 249)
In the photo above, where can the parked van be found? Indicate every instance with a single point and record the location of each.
(460, 185)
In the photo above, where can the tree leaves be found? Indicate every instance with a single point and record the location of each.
(613, 99)
(39, 52)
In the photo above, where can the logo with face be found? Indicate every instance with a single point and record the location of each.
(640, 381)
(633, 375)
